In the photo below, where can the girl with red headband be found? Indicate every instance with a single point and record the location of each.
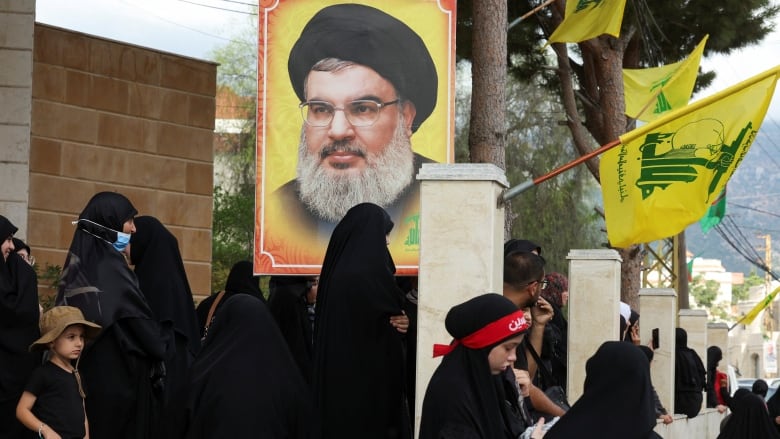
(465, 396)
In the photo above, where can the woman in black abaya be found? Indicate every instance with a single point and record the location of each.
(359, 361)
(617, 399)
(241, 280)
(465, 397)
(245, 383)
(749, 418)
(121, 369)
(19, 316)
(154, 252)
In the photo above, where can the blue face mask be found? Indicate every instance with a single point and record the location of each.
(122, 239)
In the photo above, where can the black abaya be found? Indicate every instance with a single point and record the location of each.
(287, 303)
(244, 381)
(19, 316)
(121, 365)
(749, 418)
(617, 399)
(359, 362)
(241, 279)
(158, 264)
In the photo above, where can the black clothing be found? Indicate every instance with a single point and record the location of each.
(370, 37)
(158, 264)
(241, 279)
(689, 377)
(617, 398)
(244, 381)
(359, 361)
(58, 403)
(121, 365)
(464, 399)
(749, 418)
(773, 405)
(19, 317)
(287, 303)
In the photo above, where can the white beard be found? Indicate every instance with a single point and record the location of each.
(331, 194)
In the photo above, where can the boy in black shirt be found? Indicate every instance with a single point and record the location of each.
(53, 401)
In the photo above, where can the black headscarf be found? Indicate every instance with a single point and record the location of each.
(244, 381)
(287, 303)
(20, 245)
(18, 329)
(373, 38)
(617, 383)
(773, 405)
(154, 252)
(749, 418)
(96, 278)
(241, 279)
(120, 367)
(463, 398)
(690, 377)
(359, 357)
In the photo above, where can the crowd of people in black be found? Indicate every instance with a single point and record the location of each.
(126, 354)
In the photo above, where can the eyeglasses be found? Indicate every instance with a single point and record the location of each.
(360, 113)
(543, 283)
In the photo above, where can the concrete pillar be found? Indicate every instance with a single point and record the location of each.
(17, 20)
(594, 310)
(658, 309)
(461, 250)
(694, 321)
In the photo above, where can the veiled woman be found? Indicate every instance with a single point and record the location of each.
(19, 316)
(154, 252)
(121, 369)
(617, 399)
(245, 383)
(359, 361)
(749, 418)
(465, 397)
(241, 280)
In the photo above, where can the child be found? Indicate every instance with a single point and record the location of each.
(465, 396)
(53, 401)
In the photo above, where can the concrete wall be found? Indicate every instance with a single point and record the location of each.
(16, 54)
(109, 116)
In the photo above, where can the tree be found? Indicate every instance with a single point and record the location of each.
(234, 184)
(742, 292)
(558, 214)
(589, 81)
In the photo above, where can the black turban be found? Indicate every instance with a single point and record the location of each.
(370, 37)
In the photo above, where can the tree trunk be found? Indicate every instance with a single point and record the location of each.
(487, 133)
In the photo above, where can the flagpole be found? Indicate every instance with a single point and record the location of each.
(517, 21)
(522, 187)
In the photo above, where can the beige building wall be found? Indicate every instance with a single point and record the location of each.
(16, 53)
(109, 116)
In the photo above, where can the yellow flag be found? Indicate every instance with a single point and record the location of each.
(664, 175)
(651, 93)
(753, 313)
(586, 19)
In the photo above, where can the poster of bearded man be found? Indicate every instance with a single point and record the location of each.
(352, 100)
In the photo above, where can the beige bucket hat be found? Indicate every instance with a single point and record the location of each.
(54, 321)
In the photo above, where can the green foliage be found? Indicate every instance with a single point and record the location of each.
(48, 278)
(234, 191)
(558, 213)
(741, 292)
(704, 292)
(662, 32)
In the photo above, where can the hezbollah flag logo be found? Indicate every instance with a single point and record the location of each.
(679, 157)
(664, 175)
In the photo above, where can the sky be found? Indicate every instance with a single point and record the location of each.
(195, 27)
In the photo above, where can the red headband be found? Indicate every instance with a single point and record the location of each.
(502, 328)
